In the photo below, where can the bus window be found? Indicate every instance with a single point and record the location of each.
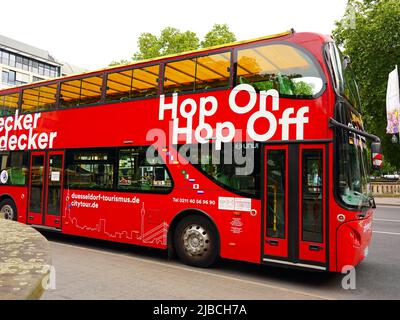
(137, 170)
(312, 198)
(39, 99)
(145, 81)
(235, 167)
(119, 85)
(281, 67)
(9, 104)
(15, 163)
(213, 71)
(276, 193)
(81, 92)
(90, 169)
(201, 73)
(128, 84)
(179, 76)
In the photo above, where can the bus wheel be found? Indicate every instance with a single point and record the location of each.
(196, 241)
(8, 210)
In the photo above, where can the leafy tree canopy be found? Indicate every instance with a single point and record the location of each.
(116, 63)
(219, 34)
(370, 34)
(172, 40)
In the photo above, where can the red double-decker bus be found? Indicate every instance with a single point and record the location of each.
(251, 151)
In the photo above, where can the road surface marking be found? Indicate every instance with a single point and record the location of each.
(391, 233)
(198, 271)
(393, 206)
(387, 220)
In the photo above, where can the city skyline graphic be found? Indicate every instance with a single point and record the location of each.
(156, 235)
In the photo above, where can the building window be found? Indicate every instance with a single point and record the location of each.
(9, 77)
(28, 64)
(5, 57)
(18, 62)
(4, 76)
(11, 62)
(37, 79)
(35, 67)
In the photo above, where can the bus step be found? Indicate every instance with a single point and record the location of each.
(38, 226)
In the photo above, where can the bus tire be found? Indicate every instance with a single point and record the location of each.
(8, 209)
(196, 241)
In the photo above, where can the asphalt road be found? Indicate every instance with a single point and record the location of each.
(91, 269)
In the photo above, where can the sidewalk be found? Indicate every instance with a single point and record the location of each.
(387, 201)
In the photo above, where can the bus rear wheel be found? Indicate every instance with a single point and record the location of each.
(8, 210)
(196, 241)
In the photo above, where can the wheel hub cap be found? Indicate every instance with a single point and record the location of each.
(7, 212)
(196, 240)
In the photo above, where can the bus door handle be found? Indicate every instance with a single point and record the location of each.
(315, 248)
(273, 242)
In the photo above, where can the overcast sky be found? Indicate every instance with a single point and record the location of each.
(92, 33)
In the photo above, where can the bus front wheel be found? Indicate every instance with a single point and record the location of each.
(196, 241)
(8, 210)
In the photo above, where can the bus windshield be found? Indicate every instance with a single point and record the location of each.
(354, 184)
(353, 164)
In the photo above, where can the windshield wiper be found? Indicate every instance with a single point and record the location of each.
(366, 199)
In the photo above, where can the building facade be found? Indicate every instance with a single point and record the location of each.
(21, 64)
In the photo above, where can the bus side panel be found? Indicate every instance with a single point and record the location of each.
(20, 196)
(239, 230)
(240, 234)
(354, 238)
(116, 216)
(144, 218)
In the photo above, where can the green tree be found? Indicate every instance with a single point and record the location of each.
(172, 40)
(219, 34)
(370, 35)
(118, 62)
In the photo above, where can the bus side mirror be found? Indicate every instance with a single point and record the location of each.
(376, 153)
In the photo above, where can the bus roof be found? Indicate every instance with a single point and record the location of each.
(139, 62)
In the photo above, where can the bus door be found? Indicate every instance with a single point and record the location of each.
(45, 188)
(295, 199)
